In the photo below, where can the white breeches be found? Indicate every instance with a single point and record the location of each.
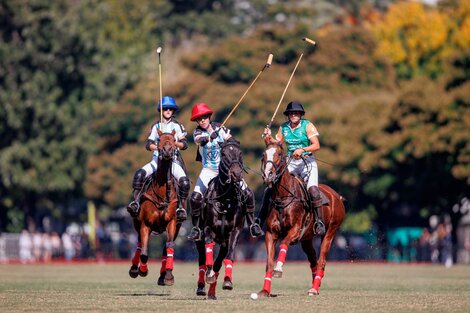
(152, 167)
(205, 177)
(307, 169)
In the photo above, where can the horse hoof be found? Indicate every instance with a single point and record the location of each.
(263, 293)
(277, 274)
(169, 278)
(210, 277)
(143, 274)
(201, 290)
(161, 280)
(134, 271)
(313, 292)
(211, 297)
(227, 285)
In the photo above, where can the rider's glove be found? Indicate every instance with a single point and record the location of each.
(214, 135)
(204, 141)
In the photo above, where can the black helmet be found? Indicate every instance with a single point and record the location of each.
(294, 106)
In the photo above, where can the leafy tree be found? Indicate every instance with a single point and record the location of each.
(57, 59)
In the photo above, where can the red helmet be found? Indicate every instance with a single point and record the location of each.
(199, 110)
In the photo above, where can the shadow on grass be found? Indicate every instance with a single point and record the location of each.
(150, 294)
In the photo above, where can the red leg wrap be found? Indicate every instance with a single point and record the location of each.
(136, 258)
(202, 274)
(212, 286)
(317, 280)
(210, 253)
(163, 268)
(314, 272)
(282, 253)
(228, 268)
(143, 267)
(170, 252)
(267, 281)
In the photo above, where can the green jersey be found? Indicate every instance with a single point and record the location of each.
(295, 138)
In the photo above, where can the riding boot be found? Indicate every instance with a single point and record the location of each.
(196, 203)
(183, 192)
(137, 184)
(255, 228)
(318, 226)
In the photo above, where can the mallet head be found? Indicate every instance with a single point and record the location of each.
(309, 41)
(159, 50)
(270, 60)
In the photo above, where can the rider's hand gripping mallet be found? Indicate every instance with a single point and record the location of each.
(309, 42)
(159, 51)
(215, 134)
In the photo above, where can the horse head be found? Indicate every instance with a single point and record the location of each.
(273, 160)
(166, 145)
(231, 160)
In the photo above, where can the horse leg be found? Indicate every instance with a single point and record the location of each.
(232, 244)
(324, 249)
(209, 240)
(270, 242)
(144, 235)
(134, 270)
(217, 266)
(170, 252)
(161, 278)
(307, 246)
(201, 285)
(284, 246)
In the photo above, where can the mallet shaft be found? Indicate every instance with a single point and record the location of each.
(268, 64)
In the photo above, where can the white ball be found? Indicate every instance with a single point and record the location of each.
(254, 296)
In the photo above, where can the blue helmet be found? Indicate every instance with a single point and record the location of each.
(168, 103)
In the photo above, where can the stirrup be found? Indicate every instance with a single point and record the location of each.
(319, 228)
(195, 235)
(255, 230)
(133, 208)
(181, 215)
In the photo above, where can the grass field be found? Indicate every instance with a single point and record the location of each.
(345, 288)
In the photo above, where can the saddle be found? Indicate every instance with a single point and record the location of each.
(307, 194)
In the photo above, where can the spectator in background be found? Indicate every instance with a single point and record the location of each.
(46, 248)
(37, 246)
(424, 247)
(69, 250)
(26, 247)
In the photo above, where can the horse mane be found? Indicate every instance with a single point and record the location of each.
(230, 141)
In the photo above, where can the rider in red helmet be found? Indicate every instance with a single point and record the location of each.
(208, 136)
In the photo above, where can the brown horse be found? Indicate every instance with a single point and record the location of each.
(158, 214)
(291, 220)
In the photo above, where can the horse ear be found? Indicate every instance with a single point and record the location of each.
(267, 140)
(159, 132)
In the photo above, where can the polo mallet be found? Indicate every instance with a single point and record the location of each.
(267, 65)
(309, 42)
(159, 52)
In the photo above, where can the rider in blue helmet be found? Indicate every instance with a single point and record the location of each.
(168, 124)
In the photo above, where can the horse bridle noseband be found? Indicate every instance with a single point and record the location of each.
(226, 164)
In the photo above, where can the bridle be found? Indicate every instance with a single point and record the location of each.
(279, 169)
(226, 164)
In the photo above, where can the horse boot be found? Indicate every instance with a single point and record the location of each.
(183, 192)
(255, 228)
(196, 203)
(137, 184)
(318, 226)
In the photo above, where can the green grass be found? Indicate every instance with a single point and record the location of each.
(345, 288)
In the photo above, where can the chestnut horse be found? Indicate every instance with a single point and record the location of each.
(291, 220)
(223, 218)
(158, 213)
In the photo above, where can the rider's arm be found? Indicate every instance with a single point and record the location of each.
(279, 136)
(200, 138)
(312, 134)
(181, 140)
(152, 139)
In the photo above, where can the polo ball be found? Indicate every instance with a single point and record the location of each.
(254, 296)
